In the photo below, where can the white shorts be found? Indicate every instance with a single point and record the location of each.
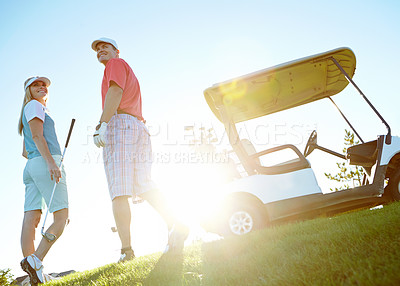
(39, 186)
(127, 157)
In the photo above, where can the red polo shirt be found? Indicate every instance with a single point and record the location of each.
(120, 72)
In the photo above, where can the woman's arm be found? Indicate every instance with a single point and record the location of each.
(24, 153)
(36, 126)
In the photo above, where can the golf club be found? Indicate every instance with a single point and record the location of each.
(49, 236)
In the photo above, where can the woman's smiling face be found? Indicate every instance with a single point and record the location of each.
(39, 91)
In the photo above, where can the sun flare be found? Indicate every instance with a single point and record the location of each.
(194, 189)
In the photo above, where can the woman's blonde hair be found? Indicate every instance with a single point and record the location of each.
(28, 97)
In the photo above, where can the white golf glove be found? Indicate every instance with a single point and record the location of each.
(99, 137)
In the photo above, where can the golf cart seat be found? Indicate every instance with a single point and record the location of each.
(364, 155)
(284, 167)
(250, 150)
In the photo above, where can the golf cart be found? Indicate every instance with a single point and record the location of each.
(267, 194)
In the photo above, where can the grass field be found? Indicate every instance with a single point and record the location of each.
(357, 248)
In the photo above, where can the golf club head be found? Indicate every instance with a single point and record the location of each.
(49, 236)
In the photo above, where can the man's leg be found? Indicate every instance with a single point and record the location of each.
(177, 231)
(29, 225)
(122, 217)
(57, 228)
(157, 200)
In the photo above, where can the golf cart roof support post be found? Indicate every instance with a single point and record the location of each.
(237, 147)
(345, 118)
(389, 135)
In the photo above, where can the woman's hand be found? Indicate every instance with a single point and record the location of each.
(54, 171)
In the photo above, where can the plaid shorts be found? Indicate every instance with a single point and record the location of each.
(127, 157)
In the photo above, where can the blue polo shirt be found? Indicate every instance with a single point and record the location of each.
(32, 110)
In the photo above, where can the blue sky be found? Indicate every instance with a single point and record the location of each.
(177, 49)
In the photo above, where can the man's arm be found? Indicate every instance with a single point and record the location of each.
(112, 101)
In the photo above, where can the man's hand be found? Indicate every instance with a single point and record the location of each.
(99, 135)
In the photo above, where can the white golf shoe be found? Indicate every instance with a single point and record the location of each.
(126, 255)
(34, 267)
(176, 238)
(47, 278)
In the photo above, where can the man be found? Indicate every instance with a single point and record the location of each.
(127, 149)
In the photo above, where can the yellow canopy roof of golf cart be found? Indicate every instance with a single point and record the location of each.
(281, 87)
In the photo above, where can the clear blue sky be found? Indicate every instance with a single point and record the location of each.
(177, 49)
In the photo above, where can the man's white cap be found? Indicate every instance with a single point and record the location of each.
(37, 78)
(104, 40)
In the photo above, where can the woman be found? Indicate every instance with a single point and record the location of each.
(43, 152)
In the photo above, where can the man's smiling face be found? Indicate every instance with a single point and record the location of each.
(106, 52)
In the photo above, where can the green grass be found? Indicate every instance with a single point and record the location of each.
(357, 248)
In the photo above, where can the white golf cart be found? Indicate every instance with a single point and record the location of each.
(289, 190)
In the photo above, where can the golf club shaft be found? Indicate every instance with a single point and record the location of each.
(55, 183)
(52, 193)
(69, 134)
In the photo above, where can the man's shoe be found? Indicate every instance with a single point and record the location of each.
(176, 238)
(33, 266)
(126, 254)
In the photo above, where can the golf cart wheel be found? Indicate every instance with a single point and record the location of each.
(244, 218)
(394, 186)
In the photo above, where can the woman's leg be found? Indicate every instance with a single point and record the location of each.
(57, 228)
(29, 225)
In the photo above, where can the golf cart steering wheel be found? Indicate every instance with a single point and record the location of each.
(311, 143)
